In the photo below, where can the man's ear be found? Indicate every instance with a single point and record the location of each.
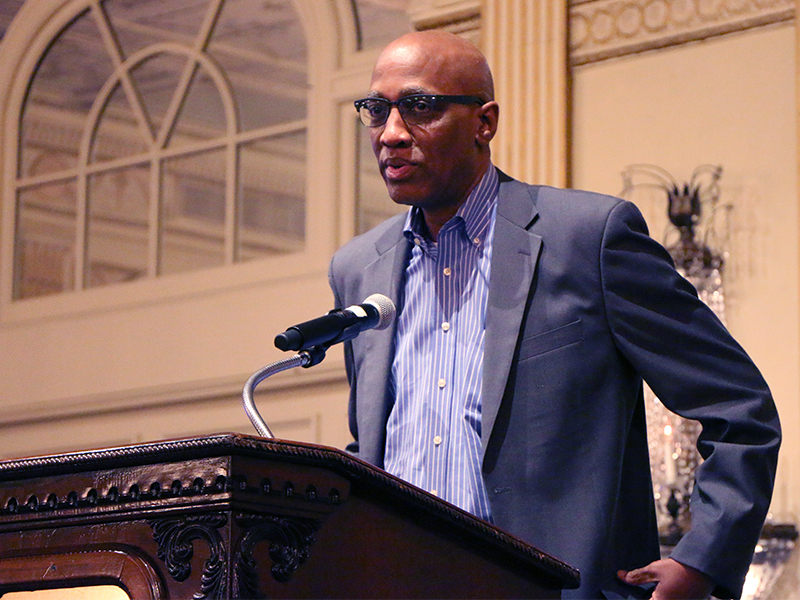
(488, 127)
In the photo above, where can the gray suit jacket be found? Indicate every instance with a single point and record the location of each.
(583, 304)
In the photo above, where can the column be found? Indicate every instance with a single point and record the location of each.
(525, 42)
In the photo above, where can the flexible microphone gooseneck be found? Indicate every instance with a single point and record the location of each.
(312, 339)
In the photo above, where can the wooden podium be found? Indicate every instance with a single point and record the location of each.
(234, 516)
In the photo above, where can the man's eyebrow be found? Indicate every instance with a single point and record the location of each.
(406, 92)
(415, 91)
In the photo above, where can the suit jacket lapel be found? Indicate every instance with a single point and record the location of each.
(385, 273)
(515, 253)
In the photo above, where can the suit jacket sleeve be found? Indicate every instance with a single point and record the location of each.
(699, 372)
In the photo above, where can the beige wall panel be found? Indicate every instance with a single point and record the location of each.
(200, 338)
(59, 374)
(315, 413)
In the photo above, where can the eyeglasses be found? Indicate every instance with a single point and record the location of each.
(417, 109)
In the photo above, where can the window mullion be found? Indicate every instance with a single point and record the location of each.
(114, 52)
(232, 205)
(81, 223)
(155, 217)
(179, 97)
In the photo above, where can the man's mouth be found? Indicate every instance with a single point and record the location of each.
(397, 168)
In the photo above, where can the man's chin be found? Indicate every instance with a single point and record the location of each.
(403, 197)
(403, 201)
(407, 194)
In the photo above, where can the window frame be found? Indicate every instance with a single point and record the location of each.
(343, 72)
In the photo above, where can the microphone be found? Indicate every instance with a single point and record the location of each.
(339, 325)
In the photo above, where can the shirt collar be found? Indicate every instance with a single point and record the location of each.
(476, 212)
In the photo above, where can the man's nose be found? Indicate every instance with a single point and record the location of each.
(395, 131)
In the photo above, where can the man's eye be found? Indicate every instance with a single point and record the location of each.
(376, 109)
(418, 106)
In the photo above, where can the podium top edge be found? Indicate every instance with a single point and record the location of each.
(356, 470)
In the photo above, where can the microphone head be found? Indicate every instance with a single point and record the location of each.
(386, 309)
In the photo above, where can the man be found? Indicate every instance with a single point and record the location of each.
(511, 384)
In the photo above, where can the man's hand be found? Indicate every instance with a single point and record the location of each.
(675, 581)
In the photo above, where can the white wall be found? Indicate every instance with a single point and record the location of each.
(727, 101)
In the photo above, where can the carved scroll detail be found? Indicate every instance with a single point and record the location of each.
(291, 539)
(175, 537)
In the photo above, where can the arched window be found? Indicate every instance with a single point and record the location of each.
(158, 137)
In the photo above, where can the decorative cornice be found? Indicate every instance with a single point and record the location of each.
(169, 487)
(445, 14)
(54, 502)
(603, 29)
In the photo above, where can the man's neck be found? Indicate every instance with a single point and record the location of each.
(436, 218)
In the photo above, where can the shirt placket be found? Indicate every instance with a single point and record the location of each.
(446, 384)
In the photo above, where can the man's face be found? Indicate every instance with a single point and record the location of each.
(434, 165)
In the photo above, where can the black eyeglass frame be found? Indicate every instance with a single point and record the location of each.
(408, 100)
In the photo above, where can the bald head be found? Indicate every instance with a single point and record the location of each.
(454, 63)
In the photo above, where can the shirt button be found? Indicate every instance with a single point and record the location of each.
(418, 241)
(447, 271)
(476, 241)
(435, 492)
(437, 440)
(445, 326)
(442, 383)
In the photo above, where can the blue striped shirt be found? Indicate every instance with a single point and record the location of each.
(434, 430)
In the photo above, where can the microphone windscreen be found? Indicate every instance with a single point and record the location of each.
(386, 309)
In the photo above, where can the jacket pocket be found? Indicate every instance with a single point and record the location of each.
(565, 335)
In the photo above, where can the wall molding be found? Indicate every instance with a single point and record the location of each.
(455, 16)
(604, 29)
(160, 396)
